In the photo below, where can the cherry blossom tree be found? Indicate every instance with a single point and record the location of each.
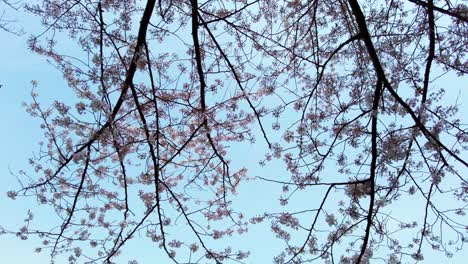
(345, 93)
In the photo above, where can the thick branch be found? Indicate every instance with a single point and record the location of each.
(361, 21)
(451, 13)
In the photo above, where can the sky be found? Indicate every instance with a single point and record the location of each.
(20, 134)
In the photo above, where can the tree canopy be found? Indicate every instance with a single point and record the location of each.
(343, 101)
